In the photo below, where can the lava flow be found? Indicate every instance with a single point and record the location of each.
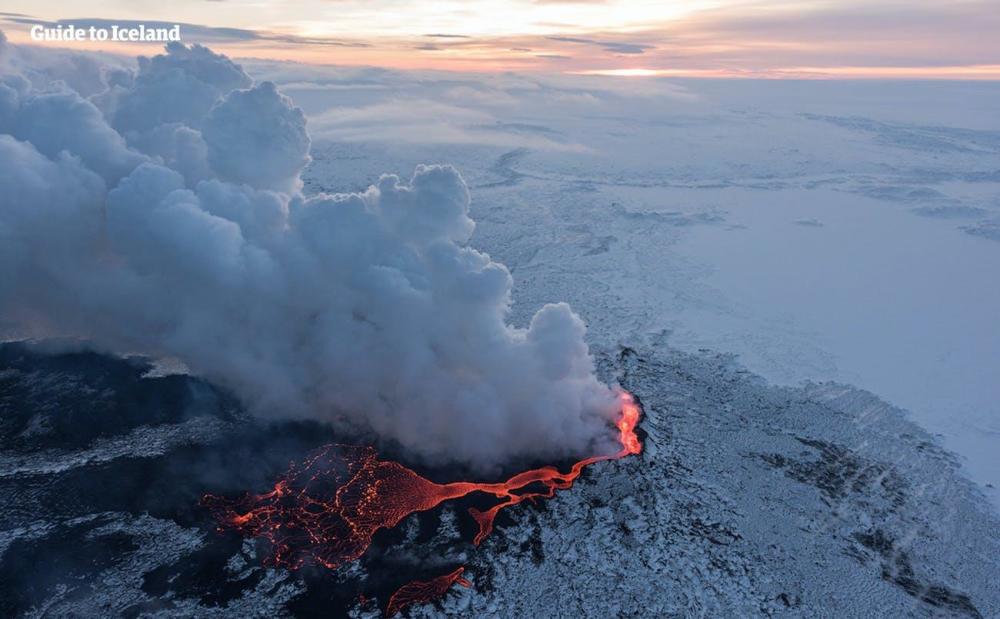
(420, 591)
(327, 509)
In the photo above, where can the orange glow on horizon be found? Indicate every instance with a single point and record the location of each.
(787, 39)
(484, 61)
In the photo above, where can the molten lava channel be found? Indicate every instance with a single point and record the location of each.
(326, 509)
(420, 591)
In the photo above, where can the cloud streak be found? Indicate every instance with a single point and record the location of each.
(616, 47)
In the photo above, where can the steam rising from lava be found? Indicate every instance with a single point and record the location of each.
(159, 210)
(327, 509)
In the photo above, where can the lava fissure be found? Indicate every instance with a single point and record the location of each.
(327, 509)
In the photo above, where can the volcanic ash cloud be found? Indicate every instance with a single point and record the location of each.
(162, 214)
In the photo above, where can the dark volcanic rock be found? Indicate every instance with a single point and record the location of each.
(748, 500)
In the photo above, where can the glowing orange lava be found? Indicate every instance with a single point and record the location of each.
(420, 591)
(327, 509)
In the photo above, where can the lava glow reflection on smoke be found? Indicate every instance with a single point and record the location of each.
(326, 509)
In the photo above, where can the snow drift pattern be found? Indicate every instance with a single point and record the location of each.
(161, 213)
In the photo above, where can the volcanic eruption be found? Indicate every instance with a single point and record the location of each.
(163, 214)
(326, 509)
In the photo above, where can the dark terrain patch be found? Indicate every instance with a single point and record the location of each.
(897, 568)
(839, 473)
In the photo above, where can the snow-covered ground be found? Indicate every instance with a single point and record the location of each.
(833, 230)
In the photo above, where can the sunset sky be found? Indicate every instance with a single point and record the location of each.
(778, 38)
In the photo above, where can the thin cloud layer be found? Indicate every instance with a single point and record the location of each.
(175, 227)
(617, 47)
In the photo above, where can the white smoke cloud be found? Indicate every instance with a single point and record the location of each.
(256, 137)
(180, 86)
(163, 215)
(64, 122)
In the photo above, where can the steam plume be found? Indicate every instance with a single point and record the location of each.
(162, 214)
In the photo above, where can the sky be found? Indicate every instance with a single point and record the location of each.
(722, 38)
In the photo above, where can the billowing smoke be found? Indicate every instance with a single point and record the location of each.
(160, 212)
